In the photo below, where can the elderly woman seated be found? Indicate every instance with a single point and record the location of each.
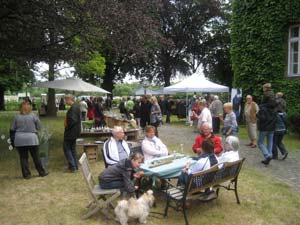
(152, 146)
(231, 147)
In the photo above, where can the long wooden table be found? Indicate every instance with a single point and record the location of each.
(132, 134)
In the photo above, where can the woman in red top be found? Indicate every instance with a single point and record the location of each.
(206, 133)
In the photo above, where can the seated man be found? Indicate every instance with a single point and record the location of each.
(115, 148)
(206, 133)
(152, 146)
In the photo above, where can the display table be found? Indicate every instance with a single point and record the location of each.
(114, 121)
(132, 134)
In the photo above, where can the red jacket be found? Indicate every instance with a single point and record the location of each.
(214, 138)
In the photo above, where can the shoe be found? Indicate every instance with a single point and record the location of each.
(266, 161)
(27, 177)
(275, 158)
(285, 155)
(44, 174)
(253, 146)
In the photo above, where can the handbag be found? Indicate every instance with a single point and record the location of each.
(12, 134)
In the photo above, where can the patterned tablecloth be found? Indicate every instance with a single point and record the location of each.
(166, 166)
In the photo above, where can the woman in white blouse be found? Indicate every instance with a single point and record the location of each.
(152, 146)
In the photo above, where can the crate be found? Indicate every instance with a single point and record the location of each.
(91, 151)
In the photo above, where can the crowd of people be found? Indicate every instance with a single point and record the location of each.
(213, 144)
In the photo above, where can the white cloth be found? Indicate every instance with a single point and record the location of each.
(83, 106)
(229, 156)
(205, 116)
(111, 152)
(153, 148)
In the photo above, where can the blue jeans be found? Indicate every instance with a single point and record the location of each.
(266, 150)
(70, 153)
(112, 184)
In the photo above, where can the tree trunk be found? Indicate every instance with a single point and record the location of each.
(167, 75)
(51, 106)
(108, 78)
(2, 102)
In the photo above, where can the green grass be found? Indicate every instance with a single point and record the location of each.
(61, 197)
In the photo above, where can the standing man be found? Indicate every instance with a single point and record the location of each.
(72, 132)
(145, 111)
(250, 111)
(216, 109)
(266, 123)
(205, 115)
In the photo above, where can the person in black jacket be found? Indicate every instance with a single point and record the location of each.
(121, 174)
(266, 123)
(72, 132)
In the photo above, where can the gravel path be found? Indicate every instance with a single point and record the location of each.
(287, 171)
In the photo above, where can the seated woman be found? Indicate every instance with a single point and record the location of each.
(121, 175)
(231, 147)
(152, 146)
(206, 160)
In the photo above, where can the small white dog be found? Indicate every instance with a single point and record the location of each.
(134, 208)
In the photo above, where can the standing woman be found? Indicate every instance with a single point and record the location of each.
(155, 114)
(26, 125)
(230, 123)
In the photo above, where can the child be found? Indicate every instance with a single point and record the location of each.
(121, 174)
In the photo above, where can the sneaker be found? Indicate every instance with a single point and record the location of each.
(208, 197)
(285, 155)
(266, 161)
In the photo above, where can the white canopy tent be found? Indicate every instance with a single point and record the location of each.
(196, 83)
(71, 84)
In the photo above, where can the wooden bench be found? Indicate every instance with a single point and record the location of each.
(226, 177)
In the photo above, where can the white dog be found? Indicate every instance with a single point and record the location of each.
(134, 208)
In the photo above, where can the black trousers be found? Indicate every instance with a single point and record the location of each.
(216, 125)
(34, 152)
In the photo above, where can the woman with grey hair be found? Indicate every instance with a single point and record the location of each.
(231, 147)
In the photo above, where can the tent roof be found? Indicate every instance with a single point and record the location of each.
(196, 83)
(71, 84)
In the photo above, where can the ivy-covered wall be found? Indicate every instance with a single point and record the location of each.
(259, 36)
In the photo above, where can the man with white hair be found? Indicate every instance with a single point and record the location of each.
(205, 115)
(216, 109)
(206, 133)
(115, 148)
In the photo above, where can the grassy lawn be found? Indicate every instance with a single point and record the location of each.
(61, 197)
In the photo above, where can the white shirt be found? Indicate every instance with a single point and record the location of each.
(200, 165)
(229, 156)
(153, 148)
(205, 116)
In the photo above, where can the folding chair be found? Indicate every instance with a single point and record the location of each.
(99, 196)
